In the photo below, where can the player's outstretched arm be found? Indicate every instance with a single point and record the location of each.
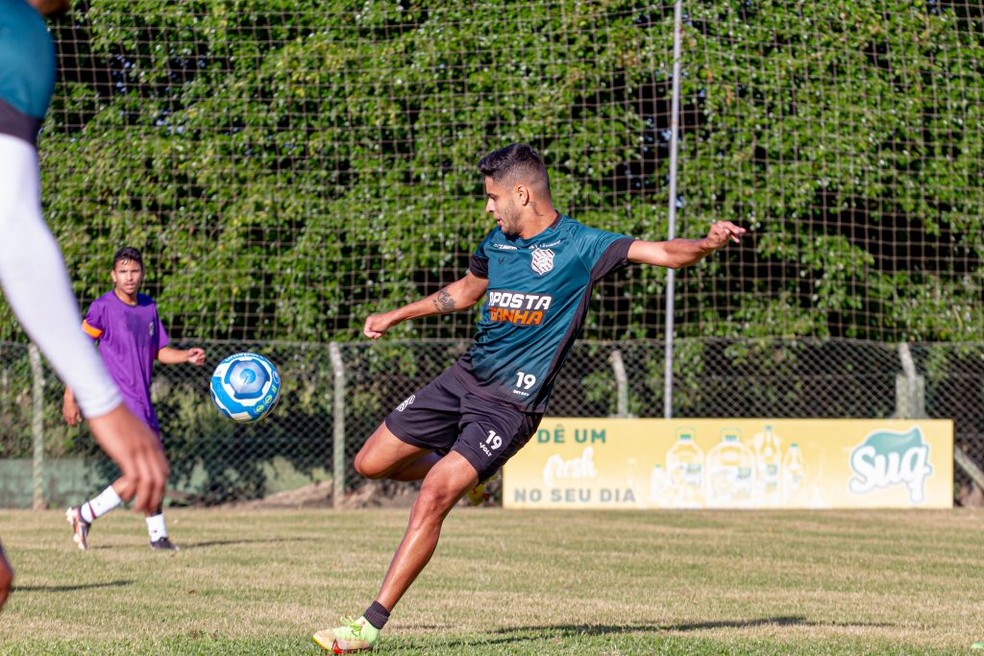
(459, 295)
(680, 252)
(133, 446)
(169, 355)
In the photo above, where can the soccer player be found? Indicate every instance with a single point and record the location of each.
(535, 271)
(32, 271)
(131, 337)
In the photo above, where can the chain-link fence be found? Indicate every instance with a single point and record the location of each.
(341, 391)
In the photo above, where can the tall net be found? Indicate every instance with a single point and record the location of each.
(290, 168)
(849, 134)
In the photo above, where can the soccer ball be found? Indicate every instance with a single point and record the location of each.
(245, 387)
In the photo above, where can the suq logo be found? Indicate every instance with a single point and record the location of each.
(887, 458)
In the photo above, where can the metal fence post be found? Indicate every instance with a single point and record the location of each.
(671, 209)
(621, 384)
(910, 388)
(338, 446)
(37, 423)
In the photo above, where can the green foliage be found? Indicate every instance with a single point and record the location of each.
(289, 168)
(846, 134)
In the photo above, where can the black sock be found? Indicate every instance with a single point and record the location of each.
(376, 615)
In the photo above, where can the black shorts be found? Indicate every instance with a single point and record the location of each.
(446, 415)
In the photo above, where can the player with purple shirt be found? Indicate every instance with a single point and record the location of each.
(130, 337)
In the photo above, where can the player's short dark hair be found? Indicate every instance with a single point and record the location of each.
(515, 162)
(128, 254)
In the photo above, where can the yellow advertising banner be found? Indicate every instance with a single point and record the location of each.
(733, 463)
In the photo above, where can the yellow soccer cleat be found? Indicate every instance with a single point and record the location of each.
(355, 635)
(477, 496)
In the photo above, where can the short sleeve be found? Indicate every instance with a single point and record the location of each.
(162, 339)
(603, 251)
(479, 263)
(93, 324)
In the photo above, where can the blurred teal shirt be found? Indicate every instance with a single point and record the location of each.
(27, 59)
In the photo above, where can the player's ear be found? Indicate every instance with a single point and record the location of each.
(522, 194)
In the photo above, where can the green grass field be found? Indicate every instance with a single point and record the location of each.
(505, 582)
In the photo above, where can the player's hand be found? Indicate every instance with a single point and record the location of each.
(722, 232)
(376, 325)
(134, 447)
(70, 409)
(6, 578)
(196, 356)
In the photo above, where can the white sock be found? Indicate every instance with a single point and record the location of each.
(156, 528)
(100, 505)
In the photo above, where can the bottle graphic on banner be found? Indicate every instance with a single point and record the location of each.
(657, 486)
(633, 491)
(792, 475)
(730, 472)
(768, 468)
(685, 471)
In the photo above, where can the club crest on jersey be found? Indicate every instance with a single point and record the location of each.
(542, 260)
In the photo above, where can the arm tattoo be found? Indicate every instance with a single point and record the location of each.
(444, 302)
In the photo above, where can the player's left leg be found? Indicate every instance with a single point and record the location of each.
(81, 517)
(157, 530)
(444, 485)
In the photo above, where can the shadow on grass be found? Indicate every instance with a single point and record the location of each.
(224, 543)
(187, 546)
(572, 630)
(72, 588)
(566, 631)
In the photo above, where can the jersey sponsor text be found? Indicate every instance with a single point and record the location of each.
(518, 308)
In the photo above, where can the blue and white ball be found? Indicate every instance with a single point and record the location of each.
(245, 387)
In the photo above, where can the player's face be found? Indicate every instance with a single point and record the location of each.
(127, 278)
(502, 206)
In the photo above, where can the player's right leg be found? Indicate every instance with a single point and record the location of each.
(80, 518)
(384, 455)
(80, 527)
(443, 486)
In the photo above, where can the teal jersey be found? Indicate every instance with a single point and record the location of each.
(537, 298)
(27, 69)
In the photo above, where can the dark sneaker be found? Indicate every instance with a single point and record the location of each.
(163, 544)
(80, 527)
